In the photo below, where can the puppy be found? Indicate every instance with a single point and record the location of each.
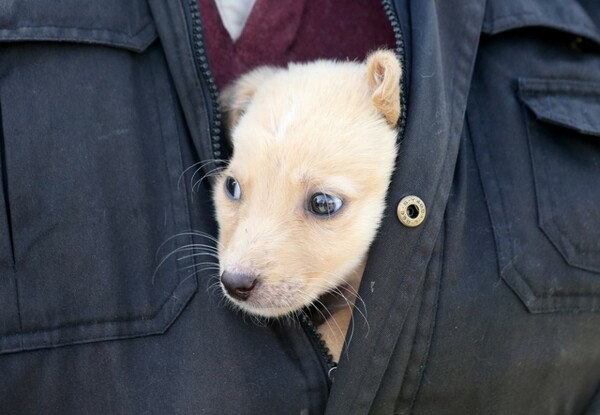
(303, 195)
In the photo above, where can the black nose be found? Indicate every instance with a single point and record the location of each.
(238, 285)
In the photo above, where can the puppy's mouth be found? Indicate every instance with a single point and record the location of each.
(256, 296)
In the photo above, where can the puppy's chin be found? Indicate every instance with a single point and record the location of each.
(273, 311)
(266, 312)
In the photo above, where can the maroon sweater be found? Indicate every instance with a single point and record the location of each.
(282, 31)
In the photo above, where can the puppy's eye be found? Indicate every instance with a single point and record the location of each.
(232, 188)
(322, 204)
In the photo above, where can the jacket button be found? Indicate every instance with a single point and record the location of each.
(411, 211)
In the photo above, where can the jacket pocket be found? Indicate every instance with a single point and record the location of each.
(563, 124)
(562, 127)
(90, 163)
(534, 117)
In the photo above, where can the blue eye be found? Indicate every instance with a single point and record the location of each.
(322, 204)
(232, 188)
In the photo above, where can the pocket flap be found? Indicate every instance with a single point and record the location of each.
(126, 24)
(504, 15)
(570, 104)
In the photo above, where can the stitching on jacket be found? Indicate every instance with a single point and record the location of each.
(130, 36)
(502, 23)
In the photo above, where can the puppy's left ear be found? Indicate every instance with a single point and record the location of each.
(384, 73)
(236, 98)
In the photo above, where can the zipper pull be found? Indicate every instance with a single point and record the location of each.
(331, 372)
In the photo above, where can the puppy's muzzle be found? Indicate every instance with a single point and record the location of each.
(238, 285)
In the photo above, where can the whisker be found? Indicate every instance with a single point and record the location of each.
(327, 320)
(196, 254)
(197, 249)
(210, 173)
(216, 285)
(205, 266)
(202, 164)
(188, 233)
(209, 248)
(352, 304)
(170, 254)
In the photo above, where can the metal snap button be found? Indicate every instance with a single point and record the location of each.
(411, 211)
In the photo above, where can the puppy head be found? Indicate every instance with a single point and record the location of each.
(302, 197)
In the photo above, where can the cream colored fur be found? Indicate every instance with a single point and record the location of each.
(322, 127)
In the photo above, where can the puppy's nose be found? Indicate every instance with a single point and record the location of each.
(238, 285)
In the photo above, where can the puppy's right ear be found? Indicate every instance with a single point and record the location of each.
(236, 97)
(384, 72)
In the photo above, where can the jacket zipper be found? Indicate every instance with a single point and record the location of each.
(392, 15)
(203, 69)
(327, 362)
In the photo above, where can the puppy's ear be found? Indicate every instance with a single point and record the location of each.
(384, 72)
(236, 97)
